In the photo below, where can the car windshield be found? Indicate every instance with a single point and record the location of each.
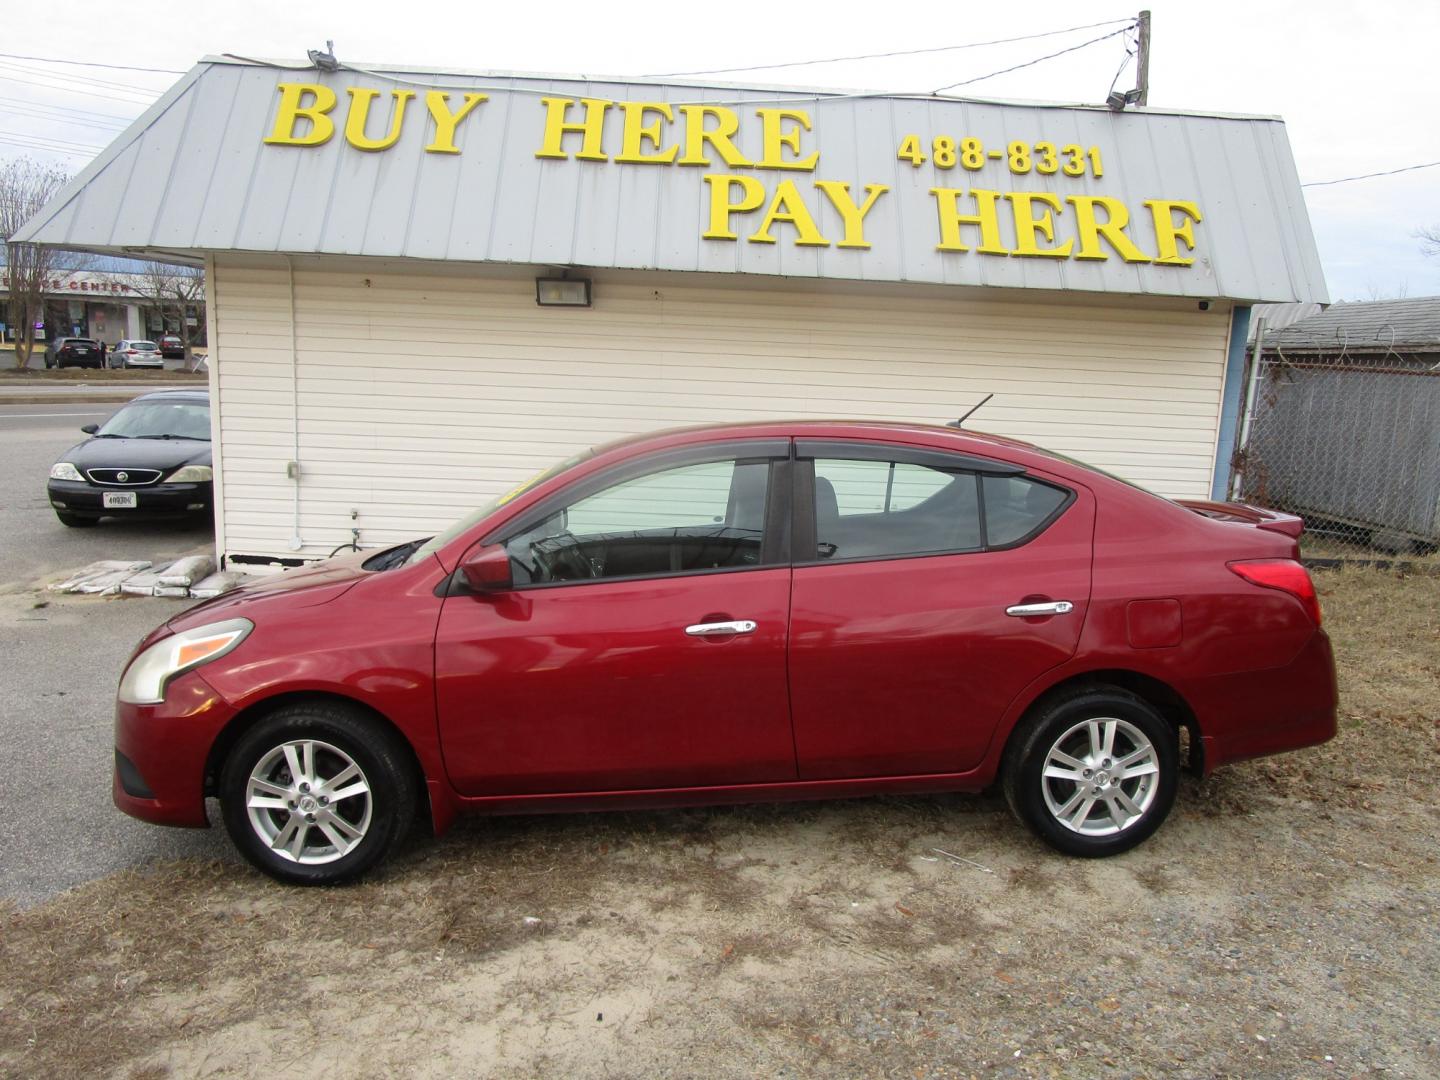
(144, 346)
(470, 520)
(159, 420)
(78, 341)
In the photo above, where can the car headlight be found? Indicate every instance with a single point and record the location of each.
(145, 679)
(191, 474)
(63, 470)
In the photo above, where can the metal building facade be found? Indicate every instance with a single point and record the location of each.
(372, 292)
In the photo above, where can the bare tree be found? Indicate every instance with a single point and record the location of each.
(26, 186)
(1429, 240)
(170, 287)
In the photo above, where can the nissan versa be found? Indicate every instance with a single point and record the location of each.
(749, 612)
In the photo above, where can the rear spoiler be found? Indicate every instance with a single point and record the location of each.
(1245, 514)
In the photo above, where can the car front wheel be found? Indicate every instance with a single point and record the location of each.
(1093, 773)
(317, 793)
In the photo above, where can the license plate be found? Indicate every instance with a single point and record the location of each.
(120, 500)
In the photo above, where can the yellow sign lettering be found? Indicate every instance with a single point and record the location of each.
(789, 206)
(359, 114)
(438, 102)
(752, 194)
(776, 139)
(853, 216)
(1112, 229)
(1028, 226)
(1167, 232)
(697, 135)
(636, 133)
(987, 220)
(293, 108)
(557, 126)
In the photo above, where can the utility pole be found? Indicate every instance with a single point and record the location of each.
(1142, 59)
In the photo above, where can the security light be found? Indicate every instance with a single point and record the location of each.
(562, 292)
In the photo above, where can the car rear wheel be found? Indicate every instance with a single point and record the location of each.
(317, 793)
(76, 521)
(1094, 773)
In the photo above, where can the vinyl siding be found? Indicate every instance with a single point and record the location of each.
(422, 390)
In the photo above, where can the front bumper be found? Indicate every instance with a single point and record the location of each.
(78, 497)
(161, 751)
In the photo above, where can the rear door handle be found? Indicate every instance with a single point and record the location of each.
(721, 629)
(1052, 607)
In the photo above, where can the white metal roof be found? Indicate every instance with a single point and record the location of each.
(194, 174)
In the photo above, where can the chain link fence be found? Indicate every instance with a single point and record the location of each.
(1350, 442)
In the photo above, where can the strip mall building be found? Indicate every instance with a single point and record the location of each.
(376, 243)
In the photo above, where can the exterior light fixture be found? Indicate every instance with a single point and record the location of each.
(1117, 101)
(562, 292)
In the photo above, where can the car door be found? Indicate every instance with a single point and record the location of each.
(643, 643)
(906, 638)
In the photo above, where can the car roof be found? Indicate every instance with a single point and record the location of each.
(820, 429)
(199, 397)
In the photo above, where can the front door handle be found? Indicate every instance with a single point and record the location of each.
(1051, 607)
(721, 629)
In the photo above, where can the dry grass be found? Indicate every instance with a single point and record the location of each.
(1290, 910)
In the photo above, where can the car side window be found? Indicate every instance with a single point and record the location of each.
(873, 509)
(1016, 506)
(690, 518)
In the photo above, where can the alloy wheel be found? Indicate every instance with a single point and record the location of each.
(1100, 776)
(309, 802)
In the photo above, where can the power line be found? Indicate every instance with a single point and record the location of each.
(81, 90)
(41, 145)
(80, 80)
(69, 112)
(88, 63)
(884, 55)
(1037, 60)
(49, 139)
(59, 117)
(1371, 175)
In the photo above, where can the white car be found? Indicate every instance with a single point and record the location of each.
(136, 354)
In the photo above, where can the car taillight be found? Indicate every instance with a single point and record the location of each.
(1287, 575)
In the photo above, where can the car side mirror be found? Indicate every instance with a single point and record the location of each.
(90, 429)
(487, 569)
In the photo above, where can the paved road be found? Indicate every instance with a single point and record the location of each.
(58, 674)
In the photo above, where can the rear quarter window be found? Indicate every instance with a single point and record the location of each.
(1017, 506)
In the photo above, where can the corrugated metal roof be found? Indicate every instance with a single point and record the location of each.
(1369, 326)
(194, 175)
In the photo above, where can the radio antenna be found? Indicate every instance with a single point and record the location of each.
(961, 422)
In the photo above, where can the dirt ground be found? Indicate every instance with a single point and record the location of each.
(1284, 923)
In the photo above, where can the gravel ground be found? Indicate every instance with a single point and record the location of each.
(1284, 923)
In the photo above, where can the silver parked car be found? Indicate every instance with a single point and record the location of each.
(136, 354)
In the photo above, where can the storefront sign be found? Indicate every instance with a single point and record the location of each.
(81, 283)
(749, 194)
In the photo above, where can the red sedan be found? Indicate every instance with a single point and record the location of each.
(741, 613)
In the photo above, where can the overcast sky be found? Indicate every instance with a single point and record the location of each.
(1355, 82)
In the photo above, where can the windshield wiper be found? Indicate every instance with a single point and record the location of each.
(192, 438)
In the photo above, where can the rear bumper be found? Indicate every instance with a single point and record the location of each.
(1254, 713)
(161, 751)
(76, 497)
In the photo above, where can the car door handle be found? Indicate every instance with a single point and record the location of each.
(721, 629)
(1051, 607)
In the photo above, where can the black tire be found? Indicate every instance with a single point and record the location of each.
(337, 732)
(76, 521)
(1044, 804)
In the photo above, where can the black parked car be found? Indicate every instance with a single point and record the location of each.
(171, 347)
(73, 352)
(152, 458)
